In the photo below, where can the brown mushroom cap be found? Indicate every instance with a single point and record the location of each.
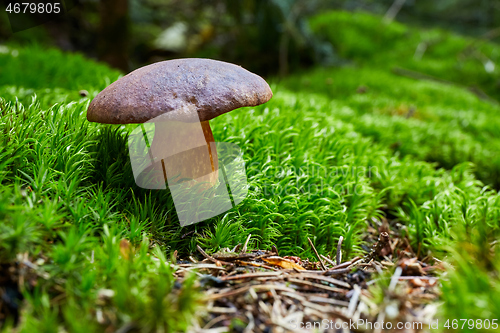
(182, 89)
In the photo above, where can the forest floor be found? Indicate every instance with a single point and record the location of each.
(373, 197)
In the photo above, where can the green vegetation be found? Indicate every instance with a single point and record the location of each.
(322, 158)
(33, 66)
(446, 125)
(365, 39)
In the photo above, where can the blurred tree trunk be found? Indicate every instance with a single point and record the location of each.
(114, 33)
(393, 11)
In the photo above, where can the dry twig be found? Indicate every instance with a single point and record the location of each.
(317, 254)
(244, 249)
(339, 252)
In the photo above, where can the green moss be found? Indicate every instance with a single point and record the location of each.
(323, 157)
(433, 121)
(39, 68)
(367, 40)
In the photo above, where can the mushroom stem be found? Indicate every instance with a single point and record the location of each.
(187, 151)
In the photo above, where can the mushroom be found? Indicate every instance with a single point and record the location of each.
(180, 97)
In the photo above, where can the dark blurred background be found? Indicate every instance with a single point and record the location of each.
(268, 37)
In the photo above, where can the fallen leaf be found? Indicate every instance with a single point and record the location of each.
(283, 263)
(411, 267)
(417, 283)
